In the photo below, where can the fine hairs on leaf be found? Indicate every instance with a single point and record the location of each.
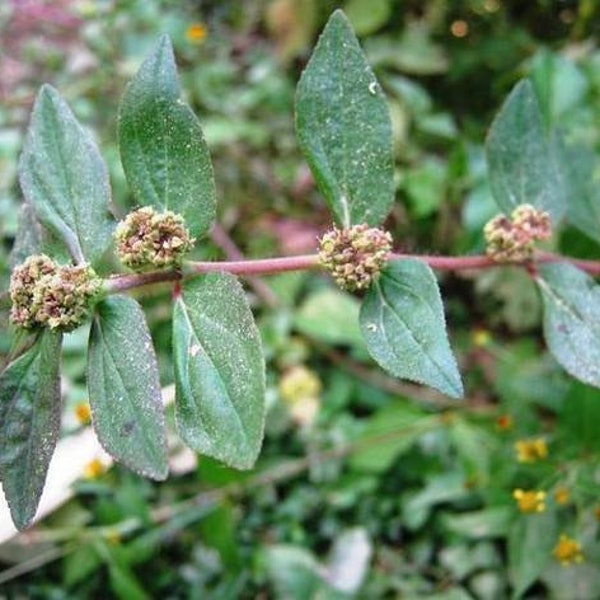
(344, 132)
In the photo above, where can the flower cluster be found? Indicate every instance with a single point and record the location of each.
(512, 239)
(531, 501)
(147, 239)
(44, 293)
(529, 451)
(354, 255)
(567, 551)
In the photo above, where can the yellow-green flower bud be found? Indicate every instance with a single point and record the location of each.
(355, 255)
(45, 294)
(147, 239)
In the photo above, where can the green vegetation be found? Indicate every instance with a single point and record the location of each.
(483, 485)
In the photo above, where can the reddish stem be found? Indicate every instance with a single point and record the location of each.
(270, 266)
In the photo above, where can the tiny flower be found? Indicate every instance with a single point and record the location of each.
(504, 422)
(299, 389)
(196, 33)
(355, 255)
(512, 239)
(44, 293)
(562, 495)
(297, 383)
(597, 513)
(567, 551)
(94, 469)
(529, 451)
(481, 337)
(531, 501)
(505, 243)
(536, 223)
(147, 239)
(83, 413)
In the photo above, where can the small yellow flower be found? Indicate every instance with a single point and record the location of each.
(94, 469)
(83, 413)
(299, 383)
(504, 422)
(597, 513)
(481, 337)
(567, 551)
(562, 495)
(196, 33)
(530, 502)
(300, 388)
(529, 451)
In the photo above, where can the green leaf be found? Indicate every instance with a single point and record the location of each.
(571, 319)
(391, 432)
(530, 545)
(402, 321)
(124, 388)
(523, 160)
(219, 371)
(581, 173)
(344, 128)
(367, 16)
(29, 424)
(163, 151)
(330, 316)
(64, 178)
(33, 238)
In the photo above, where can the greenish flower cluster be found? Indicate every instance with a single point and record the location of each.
(46, 294)
(354, 255)
(513, 239)
(147, 239)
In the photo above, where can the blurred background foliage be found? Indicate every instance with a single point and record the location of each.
(366, 487)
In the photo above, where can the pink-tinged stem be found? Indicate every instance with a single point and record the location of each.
(271, 266)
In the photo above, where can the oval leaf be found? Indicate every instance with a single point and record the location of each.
(523, 160)
(64, 178)
(344, 128)
(163, 151)
(402, 321)
(571, 319)
(124, 388)
(29, 424)
(219, 371)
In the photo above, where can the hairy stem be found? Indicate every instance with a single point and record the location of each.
(270, 266)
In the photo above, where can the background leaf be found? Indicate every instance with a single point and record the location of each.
(581, 172)
(219, 371)
(402, 321)
(124, 388)
(571, 319)
(163, 151)
(530, 545)
(523, 159)
(33, 238)
(29, 424)
(344, 128)
(64, 178)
